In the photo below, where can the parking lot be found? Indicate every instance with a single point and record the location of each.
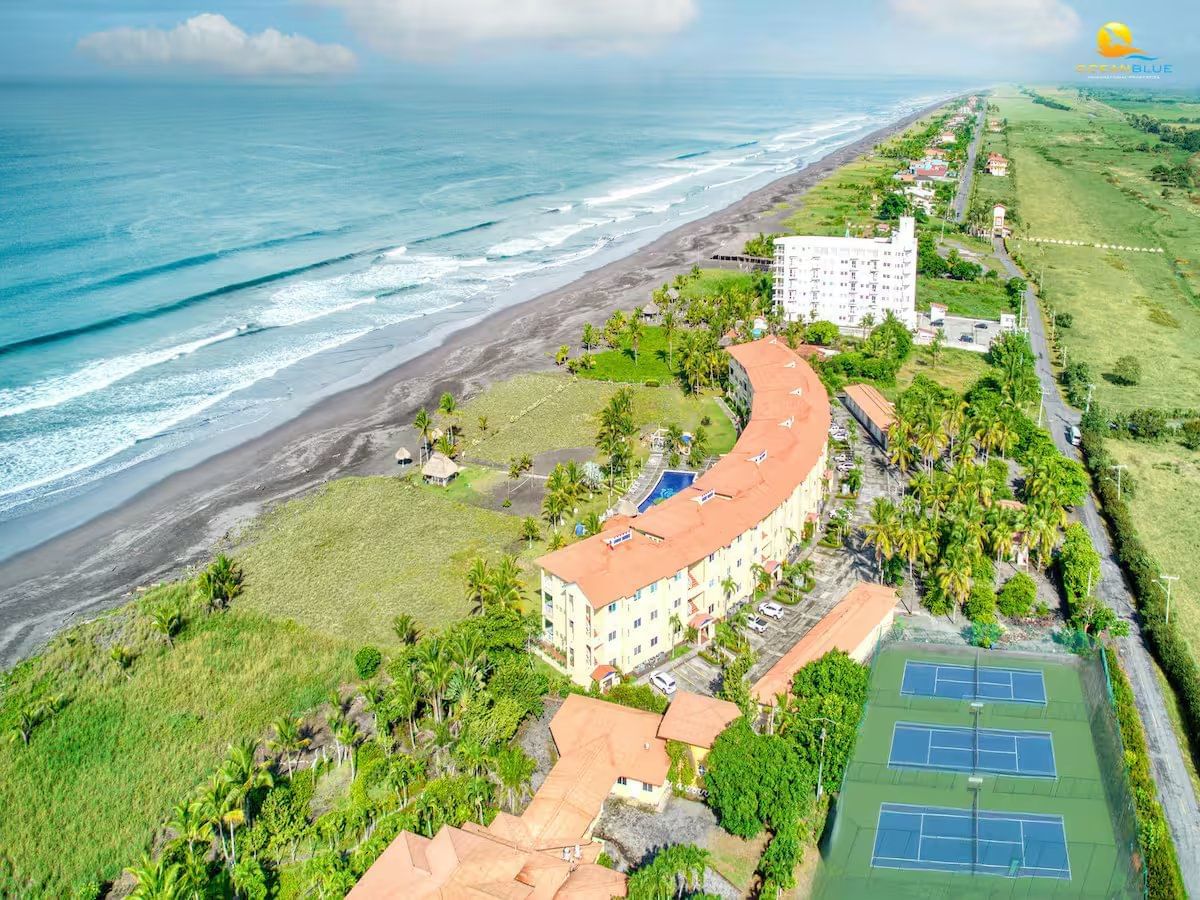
(963, 333)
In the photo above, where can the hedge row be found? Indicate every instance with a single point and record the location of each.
(1163, 879)
(1169, 647)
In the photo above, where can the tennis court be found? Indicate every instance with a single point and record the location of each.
(938, 839)
(948, 748)
(954, 682)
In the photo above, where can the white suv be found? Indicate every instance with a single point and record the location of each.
(773, 610)
(754, 623)
(663, 682)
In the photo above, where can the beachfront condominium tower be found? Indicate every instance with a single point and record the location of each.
(622, 598)
(844, 280)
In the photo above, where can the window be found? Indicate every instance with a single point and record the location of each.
(612, 635)
(637, 623)
(653, 614)
(637, 595)
(654, 587)
(653, 642)
(622, 780)
(677, 602)
(647, 787)
(612, 607)
(637, 651)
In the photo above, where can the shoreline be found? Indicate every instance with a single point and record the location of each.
(170, 526)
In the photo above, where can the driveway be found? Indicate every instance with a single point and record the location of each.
(964, 182)
(1175, 790)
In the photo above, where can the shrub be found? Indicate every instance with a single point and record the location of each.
(706, 420)
(651, 382)
(1128, 370)
(367, 661)
(1189, 434)
(1154, 837)
(1017, 596)
(638, 696)
(980, 607)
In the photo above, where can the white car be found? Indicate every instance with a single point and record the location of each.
(663, 682)
(771, 610)
(754, 623)
(845, 466)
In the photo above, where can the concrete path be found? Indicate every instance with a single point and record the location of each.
(1175, 790)
(968, 175)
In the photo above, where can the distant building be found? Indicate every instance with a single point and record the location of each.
(874, 411)
(946, 138)
(921, 198)
(936, 153)
(994, 126)
(998, 227)
(930, 169)
(844, 279)
(997, 164)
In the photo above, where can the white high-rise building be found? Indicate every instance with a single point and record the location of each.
(844, 279)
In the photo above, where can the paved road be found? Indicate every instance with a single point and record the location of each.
(1175, 790)
(964, 181)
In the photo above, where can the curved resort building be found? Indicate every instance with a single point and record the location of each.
(620, 598)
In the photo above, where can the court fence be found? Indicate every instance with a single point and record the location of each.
(1118, 868)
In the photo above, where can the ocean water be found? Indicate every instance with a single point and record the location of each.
(182, 267)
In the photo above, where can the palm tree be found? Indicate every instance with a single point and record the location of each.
(28, 717)
(289, 738)
(423, 422)
(635, 330)
(590, 336)
(448, 406)
(513, 771)
(881, 531)
(167, 618)
(483, 424)
(445, 444)
(221, 581)
(729, 587)
(157, 879)
(245, 773)
(189, 824)
(122, 656)
(404, 696)
(592, 523)
(348, 736)
(405, 629)
(669, 326)
(479, 585)
(434, 671)
(471, 756)
(676, 624)
(529, 530)
(953, 576)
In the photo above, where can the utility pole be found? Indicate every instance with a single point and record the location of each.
(1088, 406)
(1168, 579)
(1119, 469)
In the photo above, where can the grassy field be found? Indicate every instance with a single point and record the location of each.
(955, 369)
(348, 559)
(1166, 510)
(654, 361)
(100, 775)
(981, 299)
(1078, 176)
(844, 196)
(717, 283)
(537, 413)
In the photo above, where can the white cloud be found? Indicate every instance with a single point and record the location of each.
(211, 43)
(987, 24)
(427, 29)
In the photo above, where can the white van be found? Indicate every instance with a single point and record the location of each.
(1074, 436)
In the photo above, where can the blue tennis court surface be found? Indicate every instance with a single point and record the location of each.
(930, 838)
(926, 679)
(951, 749)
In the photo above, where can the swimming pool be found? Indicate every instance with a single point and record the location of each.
(670, 483)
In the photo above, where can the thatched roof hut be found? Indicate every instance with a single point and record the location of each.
(403, 457)
(440, 469)
(650, 311)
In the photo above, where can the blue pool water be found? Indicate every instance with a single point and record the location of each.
(669, 484)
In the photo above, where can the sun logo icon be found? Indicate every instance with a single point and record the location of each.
(1115, 41)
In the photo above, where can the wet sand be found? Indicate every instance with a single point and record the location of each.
(178, 522)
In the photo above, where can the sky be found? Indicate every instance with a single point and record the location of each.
(975, 40)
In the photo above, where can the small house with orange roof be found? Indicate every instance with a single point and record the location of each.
(997, 164)
(853, 626)
(696, 720)
(547, 851)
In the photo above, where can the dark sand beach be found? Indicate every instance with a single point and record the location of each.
(176, 523)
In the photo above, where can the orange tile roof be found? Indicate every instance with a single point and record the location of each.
(873, 404)
(845, 627)
(695, 719)
(789, 421)
(602, 672)
(469, 862)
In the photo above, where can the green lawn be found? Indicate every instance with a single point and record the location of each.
(845, 195)
(955, 369)
(981, 299)
(83, 799)
(349, 558)
(717, 283)
(1079, 177)
(655, 360)
(1166, 510)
